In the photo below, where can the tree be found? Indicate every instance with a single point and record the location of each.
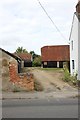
(32, 52)
(37, 61)
(21, 50)
(34, 55)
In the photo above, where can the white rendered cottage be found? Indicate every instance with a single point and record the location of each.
(75, 43)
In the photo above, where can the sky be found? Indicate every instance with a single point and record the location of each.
(24, 23)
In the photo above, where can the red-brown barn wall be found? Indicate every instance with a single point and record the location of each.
(55, 53)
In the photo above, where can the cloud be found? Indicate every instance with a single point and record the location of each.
(24, 23)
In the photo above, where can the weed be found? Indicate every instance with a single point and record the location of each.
(38, 86)
(16, 89)
(70, 79)
(66, 75)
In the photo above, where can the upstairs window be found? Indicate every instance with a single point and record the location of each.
(72, 44)
(73, 64)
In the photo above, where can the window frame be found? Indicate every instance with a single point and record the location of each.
(72, 45)
(73, 65)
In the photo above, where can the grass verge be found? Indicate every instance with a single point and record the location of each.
(51, 69)
(72, 80)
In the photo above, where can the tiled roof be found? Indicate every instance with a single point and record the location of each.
(55, 53)
(24, 56)
(10, 54)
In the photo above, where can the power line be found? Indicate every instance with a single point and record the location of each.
(51, 20)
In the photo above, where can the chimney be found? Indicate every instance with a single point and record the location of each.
(78, 7)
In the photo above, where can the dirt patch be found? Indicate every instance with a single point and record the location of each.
(45, 80)
(51, 80)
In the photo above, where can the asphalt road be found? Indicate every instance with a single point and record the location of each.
(40, 108)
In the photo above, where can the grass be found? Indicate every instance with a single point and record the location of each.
(72, 80)
(16, 89)
(51, 69)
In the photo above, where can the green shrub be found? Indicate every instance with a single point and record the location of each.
(66, 75)
(37, 62)
(74, 80)
(68, 78)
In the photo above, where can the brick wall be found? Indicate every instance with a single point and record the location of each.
(25, 80)
(13, 72)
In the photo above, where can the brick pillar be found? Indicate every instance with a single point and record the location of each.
(13, 72)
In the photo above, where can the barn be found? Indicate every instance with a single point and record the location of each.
(55, 56)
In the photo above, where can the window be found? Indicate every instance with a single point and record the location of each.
(72, 64)
(45, 63)
(72, 44)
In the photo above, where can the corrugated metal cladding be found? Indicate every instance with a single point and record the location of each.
(55, 53)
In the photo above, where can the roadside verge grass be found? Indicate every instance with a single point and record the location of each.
(51, 69)
(72, 80)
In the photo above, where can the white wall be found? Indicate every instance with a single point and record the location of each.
(78, 50)
(74, 52)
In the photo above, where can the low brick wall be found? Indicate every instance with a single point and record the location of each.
(25, 80)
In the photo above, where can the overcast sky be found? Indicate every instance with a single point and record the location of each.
(24, 23)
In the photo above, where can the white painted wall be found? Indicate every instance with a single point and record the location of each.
(74, 52)
(57, 64)
(78, 50)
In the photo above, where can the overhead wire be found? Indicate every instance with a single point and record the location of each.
(52, 21)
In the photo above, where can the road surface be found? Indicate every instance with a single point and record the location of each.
(40, 108)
